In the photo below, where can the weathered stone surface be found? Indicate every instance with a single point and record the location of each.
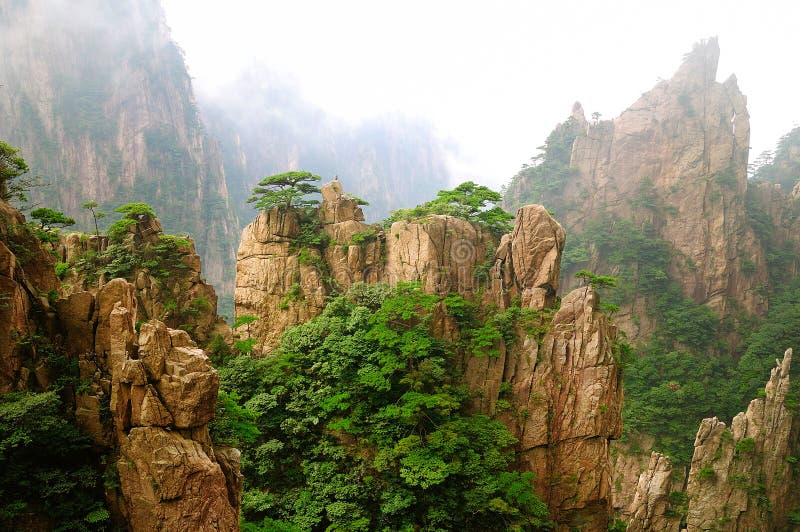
(566, 382)
(441, 252)
(570, 390)
(75, 315)
(336, 207)
(740, 478)
(152, 412)
(170, 483)
(528, 260)
(186, 383)
(116, 292)
(230, 460)
(271, 283)
(649, 509)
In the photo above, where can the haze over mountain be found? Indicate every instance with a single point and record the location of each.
(265, 127)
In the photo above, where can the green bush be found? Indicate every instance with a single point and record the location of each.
(46, 466)
(364, 425)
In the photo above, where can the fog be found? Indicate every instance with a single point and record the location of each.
(493, 78)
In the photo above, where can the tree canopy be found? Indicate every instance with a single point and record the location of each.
(49, 218)
(287, 190)
(360, 422)
(472, 202)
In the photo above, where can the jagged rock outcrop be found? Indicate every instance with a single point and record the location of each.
(745, 478)
(649, 491)
(687, 140)
(161, 391)
(571, 387)
(271, 281)
(147, 396)
(651, 508)
(284, 283)
(676, 161)
(559, 390)
(528, 260)
(27, 283)
(169, 283)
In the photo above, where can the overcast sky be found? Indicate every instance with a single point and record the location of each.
(493, 77)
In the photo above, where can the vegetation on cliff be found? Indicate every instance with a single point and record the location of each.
(363, 425)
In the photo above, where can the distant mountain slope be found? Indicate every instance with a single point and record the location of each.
(97, 96)
(266, 127)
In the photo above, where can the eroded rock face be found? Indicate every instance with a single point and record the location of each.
(650, 509)
(740, 478)
(26, 276)
(170, 483)
(528, 260)
(441, 252)
(560, 391)
(158, 387)
(182, 298)
(272, 282)
(687, 142)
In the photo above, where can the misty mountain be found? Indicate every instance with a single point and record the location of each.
(265, 126)
(97, 96)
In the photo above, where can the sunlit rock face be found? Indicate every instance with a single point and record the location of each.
(743, 477)
(560, 388)
(146, 397)
(676, 159)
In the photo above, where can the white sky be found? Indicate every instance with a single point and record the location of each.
(494, 77)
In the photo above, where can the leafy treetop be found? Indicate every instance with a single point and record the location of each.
(285, 190)
(133, 211)
(49, 218)
(471, 202)
(597, 281)
(91, 206)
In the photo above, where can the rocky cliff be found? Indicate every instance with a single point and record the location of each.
(165, 271)
(741, 478)
(146, 396)
(558, 389)
(98, 96)
(675, 163)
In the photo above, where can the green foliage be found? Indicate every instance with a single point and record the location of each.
(781, 167)
(96, 215)
(471, 202)
(367, 236)
(233, 424)
(364, 426)
(617, 525)
(244, 319)
(706, 472)
(597, 281)
(543, 180)
(12, 167)
(745, 445)
(779, 331)
(287, 190)
(61, 268)
(134, 211)
(119, 229)
(49, 219)
(46, 466)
